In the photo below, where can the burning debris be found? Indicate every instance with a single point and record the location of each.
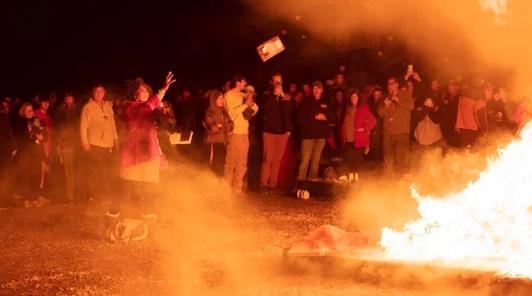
(484, 227)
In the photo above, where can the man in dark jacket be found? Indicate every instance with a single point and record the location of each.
(314, 120)
(449, 113)
(395, 111)
(276, 126)
(69, 142)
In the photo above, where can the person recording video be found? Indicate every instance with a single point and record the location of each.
(395, 110)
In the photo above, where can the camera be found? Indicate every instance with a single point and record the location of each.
(36, 126)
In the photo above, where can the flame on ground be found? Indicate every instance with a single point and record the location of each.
(487, 226)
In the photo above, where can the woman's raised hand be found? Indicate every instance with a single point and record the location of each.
(169, 80)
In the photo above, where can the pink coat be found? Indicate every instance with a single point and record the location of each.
(363, 119)
(140, 144)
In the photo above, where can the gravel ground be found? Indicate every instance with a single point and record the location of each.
(233, 246)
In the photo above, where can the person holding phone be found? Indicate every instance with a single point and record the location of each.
(239, 107)
(395, 110)
(277, 126)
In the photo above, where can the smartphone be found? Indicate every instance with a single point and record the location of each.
(410, 69)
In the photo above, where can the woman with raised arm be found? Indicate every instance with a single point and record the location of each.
(141, 157)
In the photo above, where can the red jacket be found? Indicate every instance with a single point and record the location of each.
(363, 119)
(141, 143)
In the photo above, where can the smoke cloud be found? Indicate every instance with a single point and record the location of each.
(451, 37)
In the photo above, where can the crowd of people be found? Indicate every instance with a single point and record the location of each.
(265, 142)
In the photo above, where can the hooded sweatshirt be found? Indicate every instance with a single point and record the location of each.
(213, 117)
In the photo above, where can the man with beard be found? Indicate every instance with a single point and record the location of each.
(277, 126)
(236, 104)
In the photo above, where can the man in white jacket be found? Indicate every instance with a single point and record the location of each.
(98, 137)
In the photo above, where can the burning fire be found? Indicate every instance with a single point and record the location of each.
(487, 226)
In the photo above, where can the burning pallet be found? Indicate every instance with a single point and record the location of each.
(369, 264)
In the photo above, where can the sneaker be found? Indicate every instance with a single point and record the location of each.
(356, 177)
(343, 178)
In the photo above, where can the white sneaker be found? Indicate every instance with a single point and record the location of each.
(343, 178)
(356, 177)
(351, 177)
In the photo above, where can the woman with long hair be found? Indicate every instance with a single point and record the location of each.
(141, 157)
(357, 124)
(30, 135)
(219, 128)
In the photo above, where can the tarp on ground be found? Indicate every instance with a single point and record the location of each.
(329, 240)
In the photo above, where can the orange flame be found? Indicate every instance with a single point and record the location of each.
(487, 226)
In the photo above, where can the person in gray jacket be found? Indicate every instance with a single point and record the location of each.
(395, 110)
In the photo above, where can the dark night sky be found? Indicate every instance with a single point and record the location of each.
(68, 45)
(58, 46)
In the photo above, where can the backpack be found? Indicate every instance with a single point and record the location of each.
(427, 132)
